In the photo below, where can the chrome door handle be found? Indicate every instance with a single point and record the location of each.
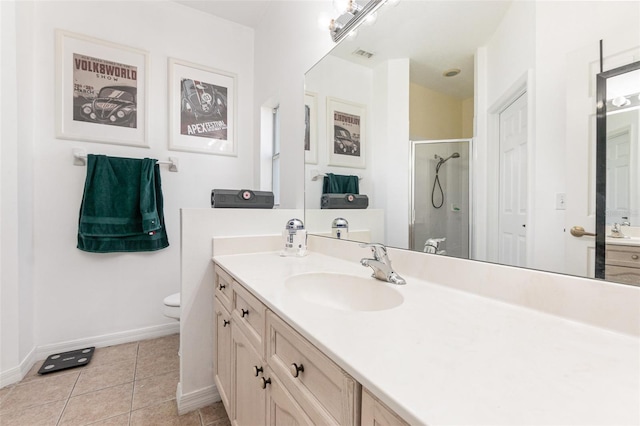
(578, 231)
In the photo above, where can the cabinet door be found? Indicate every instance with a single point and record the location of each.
(282, 409)
(375, 413)
(248, 395)
(222, 352)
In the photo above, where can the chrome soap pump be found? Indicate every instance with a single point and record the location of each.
(295, 239)
(340, 228)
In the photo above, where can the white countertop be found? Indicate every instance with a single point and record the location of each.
(625, 241)
(448, 357)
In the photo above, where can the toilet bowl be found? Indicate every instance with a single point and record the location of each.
(171, 307)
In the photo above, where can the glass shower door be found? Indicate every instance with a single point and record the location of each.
(441, 197)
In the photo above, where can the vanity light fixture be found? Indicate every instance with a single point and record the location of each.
(353, 12)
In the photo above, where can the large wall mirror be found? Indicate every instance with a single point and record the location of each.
(471, 127)
(618, 174)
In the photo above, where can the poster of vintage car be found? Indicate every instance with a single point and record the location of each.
(346, 128)
(104, 92)
(201, 109)
(310, 128)
(101, 91)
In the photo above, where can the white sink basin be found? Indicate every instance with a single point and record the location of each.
(344, 292)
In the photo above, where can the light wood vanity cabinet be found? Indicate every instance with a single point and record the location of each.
(222, 356)
(622, 264)
(375, 413)
(269, 374)
(326, 393)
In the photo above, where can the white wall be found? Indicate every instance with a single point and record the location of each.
(391, 101)
(78, 295)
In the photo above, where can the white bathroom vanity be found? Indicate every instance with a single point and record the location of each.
(461, 343)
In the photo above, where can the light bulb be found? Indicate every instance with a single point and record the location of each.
(324, 20)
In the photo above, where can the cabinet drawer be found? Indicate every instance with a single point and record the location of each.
(249, 315)
(375, 413)
(223, 289)
(282, 408)
(622, 274)
(324, 391)
(620, 255)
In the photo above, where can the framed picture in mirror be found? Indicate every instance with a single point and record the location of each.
(201, 109)
(346, 133)
(310, 128)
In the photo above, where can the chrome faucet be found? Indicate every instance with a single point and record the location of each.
(381, 264)
(616, 232)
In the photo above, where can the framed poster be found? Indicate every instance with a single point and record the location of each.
(101, 91)
(202, 106)
(346, 128)
(310, 128)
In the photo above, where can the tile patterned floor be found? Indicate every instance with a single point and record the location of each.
(133, 384)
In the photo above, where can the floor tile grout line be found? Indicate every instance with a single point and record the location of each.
(67, 400)
(139, 355)
(133, 388)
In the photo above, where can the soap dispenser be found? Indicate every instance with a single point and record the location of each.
(340, 228)
(295, 239)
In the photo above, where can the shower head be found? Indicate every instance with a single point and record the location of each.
(443, 160)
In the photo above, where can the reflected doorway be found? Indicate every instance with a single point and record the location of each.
(441, 197)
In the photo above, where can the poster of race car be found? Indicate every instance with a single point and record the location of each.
(346, 128)
(104, 92)
(101, 90)
(201, 109)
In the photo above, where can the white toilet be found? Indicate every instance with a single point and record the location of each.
(172, 306)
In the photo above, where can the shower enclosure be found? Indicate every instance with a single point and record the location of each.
(441, 197)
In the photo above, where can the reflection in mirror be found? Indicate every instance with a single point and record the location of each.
(618, 253)
(441, 197)
(525, 96)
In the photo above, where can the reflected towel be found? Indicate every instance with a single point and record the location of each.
(122, 206)
(340, 184)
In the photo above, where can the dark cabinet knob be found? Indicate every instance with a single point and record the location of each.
(222, 286)
(225, 322)
(257, 370)
(296, 369)
(264, 382)
(245, 312)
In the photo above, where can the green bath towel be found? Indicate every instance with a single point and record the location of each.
(340, 184)
(122, 206)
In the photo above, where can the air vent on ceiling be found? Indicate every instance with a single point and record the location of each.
(363, 53)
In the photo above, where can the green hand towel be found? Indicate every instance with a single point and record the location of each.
(340, 184)
(122, 206)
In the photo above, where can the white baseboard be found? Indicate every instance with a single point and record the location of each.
(16, 374)
(197, 399)
(40, 353)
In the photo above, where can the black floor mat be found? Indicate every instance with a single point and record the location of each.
(64, 360)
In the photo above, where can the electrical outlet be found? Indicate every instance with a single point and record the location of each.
(561, 201)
